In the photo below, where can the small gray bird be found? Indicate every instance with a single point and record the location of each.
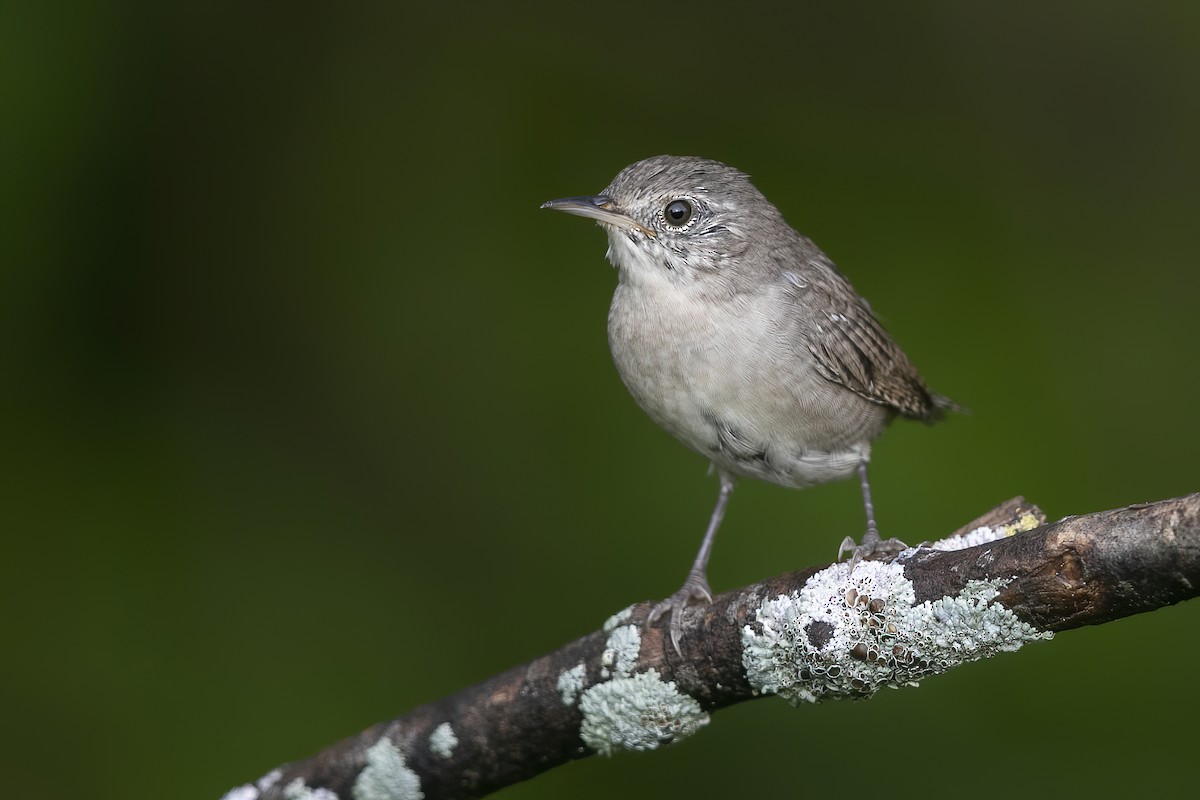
(740, 337)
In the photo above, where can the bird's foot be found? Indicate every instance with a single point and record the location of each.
(694, 588)
(872, 547)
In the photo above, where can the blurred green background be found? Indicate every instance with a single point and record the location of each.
(309, 416)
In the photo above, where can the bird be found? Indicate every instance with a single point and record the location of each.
(742, 339)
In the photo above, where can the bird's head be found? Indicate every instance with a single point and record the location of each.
(679, 219)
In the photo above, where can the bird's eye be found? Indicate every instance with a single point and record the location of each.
(678, 213)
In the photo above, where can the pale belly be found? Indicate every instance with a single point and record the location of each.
(730, 385)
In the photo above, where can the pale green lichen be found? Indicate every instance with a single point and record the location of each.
(387, 776)
(443, 741)
(570, 683)
(621, 652)
(850, 633)
(1027, 522)
(617, 618)
(640, 712)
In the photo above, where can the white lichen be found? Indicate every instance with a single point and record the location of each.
(386, 776)
(640, 712)
(443, 741)
(251, 792)
(269, 780)
(570, 683)
(849, 634)
(298, 790)
(621, 652)
(986, 533)
(981, 535)
(617, 618)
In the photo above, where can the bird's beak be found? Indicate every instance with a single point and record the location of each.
(600, 208)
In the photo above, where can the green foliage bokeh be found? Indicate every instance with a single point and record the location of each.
(309, 416)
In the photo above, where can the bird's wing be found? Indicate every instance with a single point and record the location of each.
(849, 346)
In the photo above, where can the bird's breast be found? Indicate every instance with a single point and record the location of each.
(723, 376)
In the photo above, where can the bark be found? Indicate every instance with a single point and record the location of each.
(1083, 570)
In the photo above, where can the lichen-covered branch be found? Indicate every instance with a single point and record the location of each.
(823, 633)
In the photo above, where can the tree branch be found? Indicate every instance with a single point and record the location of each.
(808, 636)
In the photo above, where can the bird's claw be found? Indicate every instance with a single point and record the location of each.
(872, 547)
(695, 588)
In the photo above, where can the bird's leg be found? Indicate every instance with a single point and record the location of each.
(696, 585)
(871, 543)
(872, 534)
